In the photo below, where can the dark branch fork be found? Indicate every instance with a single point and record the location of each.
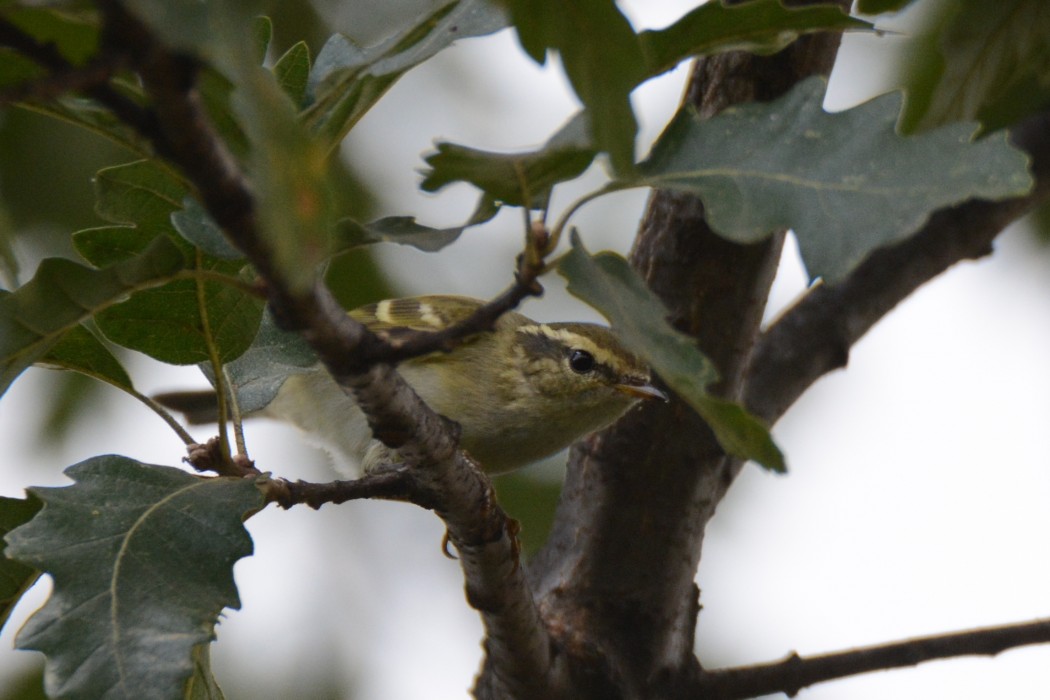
(809, 340)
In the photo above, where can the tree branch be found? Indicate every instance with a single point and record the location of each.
(464, 499)
(815, 336)
(795, 672)
(92, 79)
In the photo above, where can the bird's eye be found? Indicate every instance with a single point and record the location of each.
(581, 361)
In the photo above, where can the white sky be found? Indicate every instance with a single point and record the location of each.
(916, 501)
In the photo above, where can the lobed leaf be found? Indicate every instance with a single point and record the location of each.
(404, 230)
(607, 282)
(347, 80)
(63, 293)
(602, 58)
(518, 179)
(142, 558)
(15, 577)
(183, 321)
(846, 183)
(73, 34)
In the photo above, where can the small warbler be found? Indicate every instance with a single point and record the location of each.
(521, 392)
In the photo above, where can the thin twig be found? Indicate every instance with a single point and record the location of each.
(392, 484)
(795, 672)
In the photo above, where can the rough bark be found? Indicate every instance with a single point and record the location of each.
(615, 580)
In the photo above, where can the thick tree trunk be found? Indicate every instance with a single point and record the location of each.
(615, 581)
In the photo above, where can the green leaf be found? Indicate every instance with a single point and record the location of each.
(74, 34)
(289, 168)
(142, 558)
(15, 578)
(262, 35)
(180, 322)
(258, 374)
(16, 68)
(762, 26)
(105, 245)
(607, 282)
(87, 114)
(602, 58)
(80, 351)
(515, 178)
(64, 293)
(405, 231)
(143, 194)
(991, 63)
(8, 260)
(347, 80)
(846, 183)
(875, 7)
(195, 225)
(292, 71)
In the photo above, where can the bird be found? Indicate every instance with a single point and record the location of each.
(520, 392)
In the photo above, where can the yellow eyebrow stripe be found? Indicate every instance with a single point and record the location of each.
(574, 340)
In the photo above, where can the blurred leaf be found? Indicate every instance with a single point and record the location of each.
(16, 68)
(846, 183)
(991, 63)
(195, 225)
(216, 93)
(262, 35)
(514, 178)
(405, 231)
(531, 502)
(142, 558)
(70, 396)
(87, 115)
(201, 27)
(80, 351)
(292, 71)
(15, 578)
(289, 169)
(762, 26)
(73, 33)
(607, 282)
(8, 260)
(875, 7)
(602, 58)
(347, 80)
(64, 293)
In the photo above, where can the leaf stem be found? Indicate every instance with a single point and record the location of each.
(214, 359)
(235, 411)
(563, 220)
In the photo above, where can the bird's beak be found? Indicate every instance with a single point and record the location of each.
(642, 391)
